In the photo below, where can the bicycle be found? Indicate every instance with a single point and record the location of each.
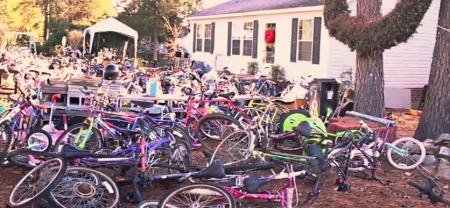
(18, 123)
(369, 147)
(69, 155)
(430, 189)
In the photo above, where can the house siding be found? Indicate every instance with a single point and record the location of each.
(406, 66)
(283, 23)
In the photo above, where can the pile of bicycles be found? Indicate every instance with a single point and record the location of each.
(87, 164)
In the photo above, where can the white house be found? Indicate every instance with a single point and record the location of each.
(232, 34)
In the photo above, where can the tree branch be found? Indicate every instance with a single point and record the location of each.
(448, 30)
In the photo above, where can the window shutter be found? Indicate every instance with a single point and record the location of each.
(316, 40)
(255, 39)
(294, 40)
(194, 37)
(230, 24)
(213, 32)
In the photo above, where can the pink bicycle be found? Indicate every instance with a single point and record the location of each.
(244, 187)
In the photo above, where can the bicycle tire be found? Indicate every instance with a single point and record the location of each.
(40, 131)
(9, 138)
(25, 164)
(180, 131)
(421, 188)
(234, 168)
(108, 183)
(149, 203)
(226, 195)
(45, 191)
(96, 132)
(199, 133)
(217, 149)
(333, 154)
(410, 167)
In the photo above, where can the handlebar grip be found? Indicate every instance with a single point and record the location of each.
(55, 97)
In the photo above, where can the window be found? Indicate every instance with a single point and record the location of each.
(248, 39)
(270, 47)
(236, 47)
(236, 40)
(305, 40)
(199, 36)
(207, 38)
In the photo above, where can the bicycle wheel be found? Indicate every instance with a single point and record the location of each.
(6, 138)
(152, 203)
(198, 195)
(34, 185)
(39, 140)
(414, 153)
(85, 187)
(180, 132)
(233, 148)
(181, 153)
(94, 143)
(29, 159)
(215, 126)
(338, 157)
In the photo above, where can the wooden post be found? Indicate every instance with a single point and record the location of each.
(125, 46)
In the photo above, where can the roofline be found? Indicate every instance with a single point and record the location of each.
(262, 12)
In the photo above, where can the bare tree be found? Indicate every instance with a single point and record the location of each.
(370, 34)
(75, 37)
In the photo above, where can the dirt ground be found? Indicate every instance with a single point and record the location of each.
(363, 193)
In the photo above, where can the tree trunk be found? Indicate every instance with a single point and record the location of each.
(46, 20)
(155, 46)
(369, 78)
(435, 118)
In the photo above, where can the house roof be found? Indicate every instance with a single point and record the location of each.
(243, 6)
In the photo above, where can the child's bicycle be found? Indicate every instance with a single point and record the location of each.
(430, 189)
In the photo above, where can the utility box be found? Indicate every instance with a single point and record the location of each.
(324, 95)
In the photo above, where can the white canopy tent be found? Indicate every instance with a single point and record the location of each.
(110, 25)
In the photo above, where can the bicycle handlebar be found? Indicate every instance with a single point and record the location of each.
(382, 121)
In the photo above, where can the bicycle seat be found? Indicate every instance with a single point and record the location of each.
(69, 151)
(303, 129)
(215, 170)
(143, 104)
(252, 185)
(283, 101)
(227, 95)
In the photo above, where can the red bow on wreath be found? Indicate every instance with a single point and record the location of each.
(270, 35)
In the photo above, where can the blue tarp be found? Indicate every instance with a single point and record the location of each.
(203, 66)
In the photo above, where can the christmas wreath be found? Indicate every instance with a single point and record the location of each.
(270, 35)
(374, 35)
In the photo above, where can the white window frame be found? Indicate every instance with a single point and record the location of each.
(207, 31)
(305, 33)
(199, 37)
(247, 36)
(236, 35)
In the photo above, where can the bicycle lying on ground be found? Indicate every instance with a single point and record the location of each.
(430, 189)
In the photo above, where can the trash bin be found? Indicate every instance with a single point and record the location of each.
(324, 95)
(154, 64)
